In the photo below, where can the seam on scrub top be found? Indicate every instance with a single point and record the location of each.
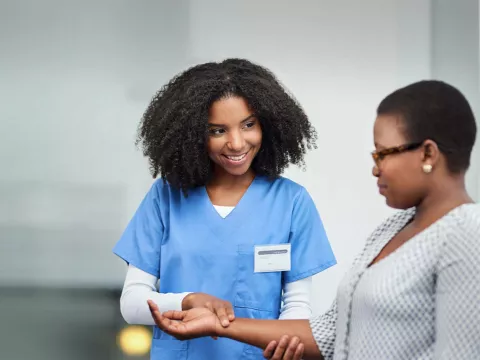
(313, 271)
(143, 268)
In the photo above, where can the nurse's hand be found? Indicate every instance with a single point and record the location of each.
(285, 349)
(223, 309)
(184, 325)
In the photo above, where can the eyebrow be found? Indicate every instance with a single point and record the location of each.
(246, 119)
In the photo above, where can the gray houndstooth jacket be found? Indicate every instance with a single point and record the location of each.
(420, 302)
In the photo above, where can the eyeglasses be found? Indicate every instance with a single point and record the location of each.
(380, 155)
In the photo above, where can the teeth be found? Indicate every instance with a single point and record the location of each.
(236, 158)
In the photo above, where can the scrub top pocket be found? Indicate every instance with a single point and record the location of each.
(259, 291)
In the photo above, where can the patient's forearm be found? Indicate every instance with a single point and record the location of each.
(260, 333)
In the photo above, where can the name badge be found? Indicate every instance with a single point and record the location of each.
(272, 258)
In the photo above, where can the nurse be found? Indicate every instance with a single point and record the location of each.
(221, 220)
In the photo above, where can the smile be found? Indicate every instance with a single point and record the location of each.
(236, 158)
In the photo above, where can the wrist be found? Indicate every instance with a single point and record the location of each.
(226, 332)
(188, 301)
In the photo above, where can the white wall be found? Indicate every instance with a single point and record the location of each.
(76, 80)
(414, 40)
(455, 59)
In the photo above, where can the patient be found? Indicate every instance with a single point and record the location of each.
(413, 292)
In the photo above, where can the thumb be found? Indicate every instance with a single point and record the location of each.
(152, 305)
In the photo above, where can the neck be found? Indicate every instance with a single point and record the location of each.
(226, 180)
(445, 196)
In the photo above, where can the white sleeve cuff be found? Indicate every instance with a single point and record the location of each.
(139, 287)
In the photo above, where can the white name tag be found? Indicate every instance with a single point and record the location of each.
(271, 258)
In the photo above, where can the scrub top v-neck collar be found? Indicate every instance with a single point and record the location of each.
(238, 217)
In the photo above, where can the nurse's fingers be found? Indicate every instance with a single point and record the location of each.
(221, 313)
(230, 313)
(210, 306)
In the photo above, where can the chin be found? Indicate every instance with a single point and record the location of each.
(237, 172)
(396, 204)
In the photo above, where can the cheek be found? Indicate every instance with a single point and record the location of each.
(397, 176)
(404, 183)
(214, 146)
(399, 170)
(255, 138)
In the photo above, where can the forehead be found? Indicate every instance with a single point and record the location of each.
(388, 131)
(229, 110)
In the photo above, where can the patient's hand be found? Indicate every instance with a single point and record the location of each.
(285, 349)
(189, 324)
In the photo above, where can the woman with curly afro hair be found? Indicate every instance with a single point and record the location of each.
(221, 219)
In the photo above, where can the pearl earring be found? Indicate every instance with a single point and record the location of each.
(427, 168)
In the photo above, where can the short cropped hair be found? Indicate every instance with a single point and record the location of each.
(435, 110)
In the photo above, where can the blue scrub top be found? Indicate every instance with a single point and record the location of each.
(191, 248)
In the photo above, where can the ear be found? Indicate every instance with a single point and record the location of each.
(431, 153)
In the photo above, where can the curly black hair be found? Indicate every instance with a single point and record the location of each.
(173, 130)
(435, 110)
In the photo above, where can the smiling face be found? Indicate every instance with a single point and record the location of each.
(234, 135)
(398, 164)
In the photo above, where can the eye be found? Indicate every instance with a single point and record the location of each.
(250, 124)
(216, 131)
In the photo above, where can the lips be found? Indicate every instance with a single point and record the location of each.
(236, 158)
(382, 188)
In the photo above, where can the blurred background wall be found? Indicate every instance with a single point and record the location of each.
(75, 78)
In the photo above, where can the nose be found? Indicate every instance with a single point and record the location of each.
(375, 171)
(236, 142)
